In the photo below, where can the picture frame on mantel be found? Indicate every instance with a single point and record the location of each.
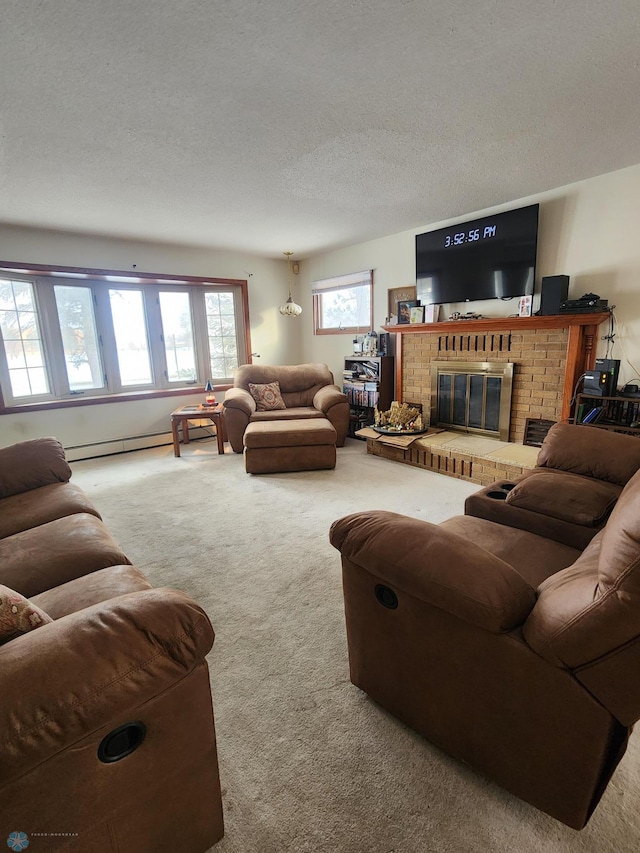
(400, 294)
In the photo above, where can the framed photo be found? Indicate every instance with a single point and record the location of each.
(404, 310)
(400, 294)
(524, 306)
(417, 314)
(431, 313)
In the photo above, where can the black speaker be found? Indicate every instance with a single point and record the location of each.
(385, 344)
(554, 291)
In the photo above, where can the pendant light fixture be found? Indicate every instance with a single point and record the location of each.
(290, 309)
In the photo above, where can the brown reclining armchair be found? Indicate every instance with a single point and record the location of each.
(512, 652)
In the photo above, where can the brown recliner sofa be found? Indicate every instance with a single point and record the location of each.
(510, 651)
(579, 475)
(308, 391)
(106, 719)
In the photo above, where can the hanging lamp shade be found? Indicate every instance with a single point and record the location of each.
(290, 308)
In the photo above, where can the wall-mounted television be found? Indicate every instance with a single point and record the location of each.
(489, 258)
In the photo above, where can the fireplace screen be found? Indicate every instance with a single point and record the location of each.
(472, 396)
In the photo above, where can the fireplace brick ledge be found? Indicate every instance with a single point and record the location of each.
(477, 459)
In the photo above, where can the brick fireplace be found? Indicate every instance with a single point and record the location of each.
(548, 354)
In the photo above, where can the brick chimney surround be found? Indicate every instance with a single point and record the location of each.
(549, 355)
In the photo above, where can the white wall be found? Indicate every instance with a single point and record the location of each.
(587, 230)
(274, 337)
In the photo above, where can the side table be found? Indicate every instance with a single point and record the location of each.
(184, 414)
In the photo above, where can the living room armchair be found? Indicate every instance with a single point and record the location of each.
(307, 391)
(512, 652)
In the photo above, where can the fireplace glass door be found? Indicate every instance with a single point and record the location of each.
(472, 397)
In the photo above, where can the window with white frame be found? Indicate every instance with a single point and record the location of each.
(343, 303)
(62, 338)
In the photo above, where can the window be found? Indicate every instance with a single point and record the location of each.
(221, 331)
(23, 348)
(61, 338)
(131, 338)
(80, 344)
(177, 331)
(343, 304)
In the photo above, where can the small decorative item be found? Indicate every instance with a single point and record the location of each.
(404, 310)
(417, 314)
(431, 313)
(524, 306)
(209, 396)
(401, 419)
(370, 343)
(399, 294)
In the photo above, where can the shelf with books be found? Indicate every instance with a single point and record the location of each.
(620, 414)
(367, 382)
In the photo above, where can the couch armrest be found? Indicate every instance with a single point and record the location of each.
(239, 406)
(327, 397)
(73, 676)
(31, 464)
(436, 566)
(238, 398)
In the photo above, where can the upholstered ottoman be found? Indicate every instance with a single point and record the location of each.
(271, 447)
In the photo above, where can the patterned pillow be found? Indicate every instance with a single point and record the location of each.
(18, 615)
(267, 397)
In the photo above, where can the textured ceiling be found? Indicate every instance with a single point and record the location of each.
(263, 125)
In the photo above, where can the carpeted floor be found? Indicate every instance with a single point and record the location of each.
(308, 763)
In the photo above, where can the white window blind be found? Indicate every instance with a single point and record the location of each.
(340, 282)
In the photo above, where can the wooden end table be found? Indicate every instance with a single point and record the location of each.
(186, 413)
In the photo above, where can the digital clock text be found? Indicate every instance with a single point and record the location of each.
(469, 236)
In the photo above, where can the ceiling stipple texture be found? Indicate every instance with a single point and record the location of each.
(259, 126)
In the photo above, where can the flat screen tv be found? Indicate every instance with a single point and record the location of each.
(489, 258)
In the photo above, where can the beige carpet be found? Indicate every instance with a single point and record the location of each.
(308, 763)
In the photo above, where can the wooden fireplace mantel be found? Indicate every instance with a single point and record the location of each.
(581, 344)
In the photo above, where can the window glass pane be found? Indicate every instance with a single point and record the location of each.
(221, 328)
(79, 337)
(33, 354)
(9, 325)
(346, 308)
(22, 339)
(132, 345)
(177, 329)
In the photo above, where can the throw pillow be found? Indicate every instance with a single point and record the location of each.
(18, 615)
(267, 397)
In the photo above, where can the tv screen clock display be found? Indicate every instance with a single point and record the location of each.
(489, 258)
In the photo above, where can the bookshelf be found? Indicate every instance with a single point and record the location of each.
(367, 382)
(620, 414)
